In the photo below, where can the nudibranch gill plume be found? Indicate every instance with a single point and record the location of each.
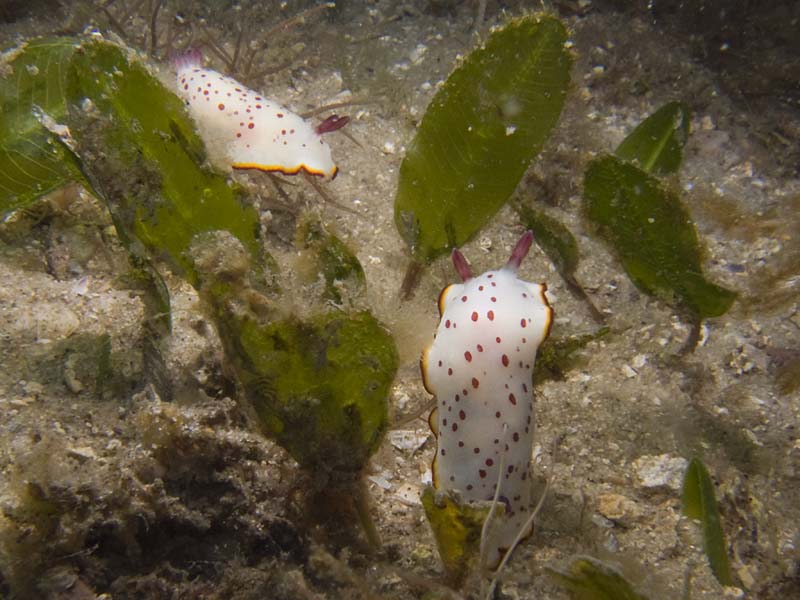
(480, 368)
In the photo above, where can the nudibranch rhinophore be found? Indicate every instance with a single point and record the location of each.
(255, 133)
(480, 368)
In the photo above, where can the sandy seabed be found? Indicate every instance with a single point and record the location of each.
(122, 494)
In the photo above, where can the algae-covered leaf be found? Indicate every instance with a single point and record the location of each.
(699, 502)
(653, 234)
(33, 79)
(555, 356)
(552, 237)
(590, 579)
(480, 133)
(457, 530)
(319, 386)
(335, 262)
(560, 246)
(141, 149)
(656, 145)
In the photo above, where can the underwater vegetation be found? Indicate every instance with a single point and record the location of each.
(31, 164)
(641, 218)
(587, 578)
(700, 503)
(318, 384)
(479, 135)
(646, 223)
(315, 375)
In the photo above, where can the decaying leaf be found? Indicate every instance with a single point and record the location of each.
(457, 529)
(587, 578)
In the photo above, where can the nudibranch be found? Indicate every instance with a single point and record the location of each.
(255, 133)
(480, 368)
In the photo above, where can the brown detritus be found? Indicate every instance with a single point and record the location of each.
(411, 279)
(785, 366)
(341, 507)
(695, 327)
(327, 197)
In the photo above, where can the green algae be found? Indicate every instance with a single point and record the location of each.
(339, 267)
(32, 82)
(699, 502)
(145, 161)
(480, 133)
(146, 164)
(560, 246)
(555, 240)
(319, 386)
(587, 578)
(556, 356)
(646, 223)
(653, 235)
(457, 529)
(656, 145)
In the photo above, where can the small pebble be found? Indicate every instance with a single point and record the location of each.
(381, 482)
(613, 506)
(82, 453)
(663, 471)
(407, 440)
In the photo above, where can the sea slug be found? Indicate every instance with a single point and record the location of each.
(251, 131)
(480, 368)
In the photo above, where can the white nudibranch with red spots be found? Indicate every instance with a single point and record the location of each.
(480, 368)
(250, 131)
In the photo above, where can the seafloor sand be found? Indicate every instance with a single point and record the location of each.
(142, 499)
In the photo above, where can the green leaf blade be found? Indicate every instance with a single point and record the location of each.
(148, 159)
(552, 237)
(699, 502)
(653, 234)
(480, 133)
(656, 145)
(31, 164)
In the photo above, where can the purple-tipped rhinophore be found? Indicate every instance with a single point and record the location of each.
(461, 265)
(520, 251)
(332, 123)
